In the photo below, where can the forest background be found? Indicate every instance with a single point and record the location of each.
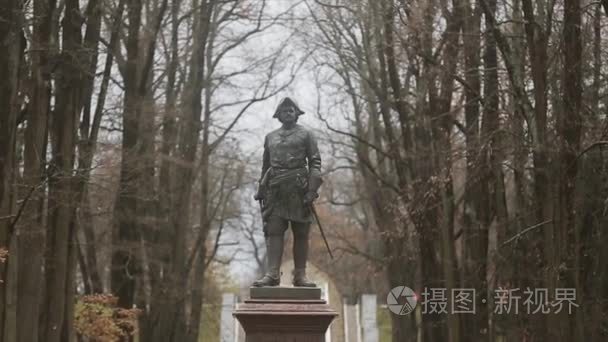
(464, 145)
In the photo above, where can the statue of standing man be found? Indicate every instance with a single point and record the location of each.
(291, 177)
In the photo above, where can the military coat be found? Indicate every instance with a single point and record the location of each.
(292, 163)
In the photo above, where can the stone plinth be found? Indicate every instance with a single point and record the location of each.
(285, 314)
(280, 292)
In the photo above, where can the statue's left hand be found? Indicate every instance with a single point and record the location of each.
(310, 197)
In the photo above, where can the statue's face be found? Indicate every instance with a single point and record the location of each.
(288, 115)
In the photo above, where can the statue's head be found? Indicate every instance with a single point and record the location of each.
(287, 111)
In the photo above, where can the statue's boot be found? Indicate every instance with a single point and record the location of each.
(300, 256)
(299, 278)
(274, 247)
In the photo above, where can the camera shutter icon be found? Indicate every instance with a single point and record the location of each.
(402, 300)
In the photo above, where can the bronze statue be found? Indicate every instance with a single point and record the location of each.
(291, 177)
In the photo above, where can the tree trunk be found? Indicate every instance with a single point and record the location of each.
(161, 315)
(126, 238)
(201, 108)
(31, 239)
(473, 268)
(493, 214)
(88, 136)
(12, 44)
(569, 125)
(60, 249)
(443, 148)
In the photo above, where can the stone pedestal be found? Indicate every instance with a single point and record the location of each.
(285, 314)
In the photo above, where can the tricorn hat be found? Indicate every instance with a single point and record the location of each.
(286, 103)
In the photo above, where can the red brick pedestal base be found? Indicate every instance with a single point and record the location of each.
(284, 320)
